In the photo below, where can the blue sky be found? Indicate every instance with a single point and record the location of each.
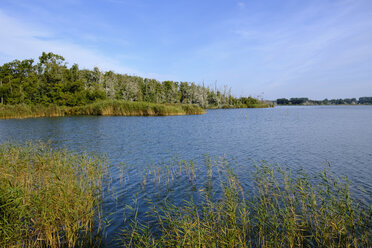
(317, 49)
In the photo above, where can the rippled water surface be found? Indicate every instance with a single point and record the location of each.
(298, 137)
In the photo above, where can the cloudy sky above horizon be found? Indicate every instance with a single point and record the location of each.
(317, 49)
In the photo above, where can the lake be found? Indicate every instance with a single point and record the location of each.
(297, 137)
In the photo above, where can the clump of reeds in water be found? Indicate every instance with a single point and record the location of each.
(281, 210)
(48, 198)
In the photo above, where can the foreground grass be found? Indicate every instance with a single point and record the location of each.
(47, 197)
(106, 108)
(280, 211)
(50, 198)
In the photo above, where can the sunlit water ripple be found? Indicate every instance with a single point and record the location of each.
(297, 137)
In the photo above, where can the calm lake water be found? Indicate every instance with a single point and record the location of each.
(297, 137)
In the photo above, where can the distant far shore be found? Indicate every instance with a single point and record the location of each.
(303, 101)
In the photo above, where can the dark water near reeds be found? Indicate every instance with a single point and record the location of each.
(297, 137)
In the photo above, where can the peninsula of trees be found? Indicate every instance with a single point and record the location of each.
(49, 82)
(307, 101)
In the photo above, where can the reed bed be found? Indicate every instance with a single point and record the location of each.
(53, 198)
(31, 111)
(281, 210)
(48, 198)
(124, 108)
(107, 108)
(253, 105)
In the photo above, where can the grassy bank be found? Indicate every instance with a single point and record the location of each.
(122, 108)
(31, 111)
(47, 197)
(255, 105)
(106, 108)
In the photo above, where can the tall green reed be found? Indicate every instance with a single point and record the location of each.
(48, 198)
(281, 210)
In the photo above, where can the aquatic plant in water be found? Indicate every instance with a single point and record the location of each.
(48, 197)
(53, 198)
(281, 210)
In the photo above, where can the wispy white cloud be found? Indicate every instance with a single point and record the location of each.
(19, 40)
(241, 5)
(128, 2)
(280, 49)
(314, 43)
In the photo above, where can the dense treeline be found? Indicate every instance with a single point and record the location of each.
(50, 81)
(307, 101)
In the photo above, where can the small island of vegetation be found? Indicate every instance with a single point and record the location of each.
(50, 88)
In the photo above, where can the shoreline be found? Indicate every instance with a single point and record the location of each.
(112, 108)
(258, 105)
(102, 108)
(323, 105)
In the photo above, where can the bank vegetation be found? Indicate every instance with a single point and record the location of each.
(99, 108)
(49, 82)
